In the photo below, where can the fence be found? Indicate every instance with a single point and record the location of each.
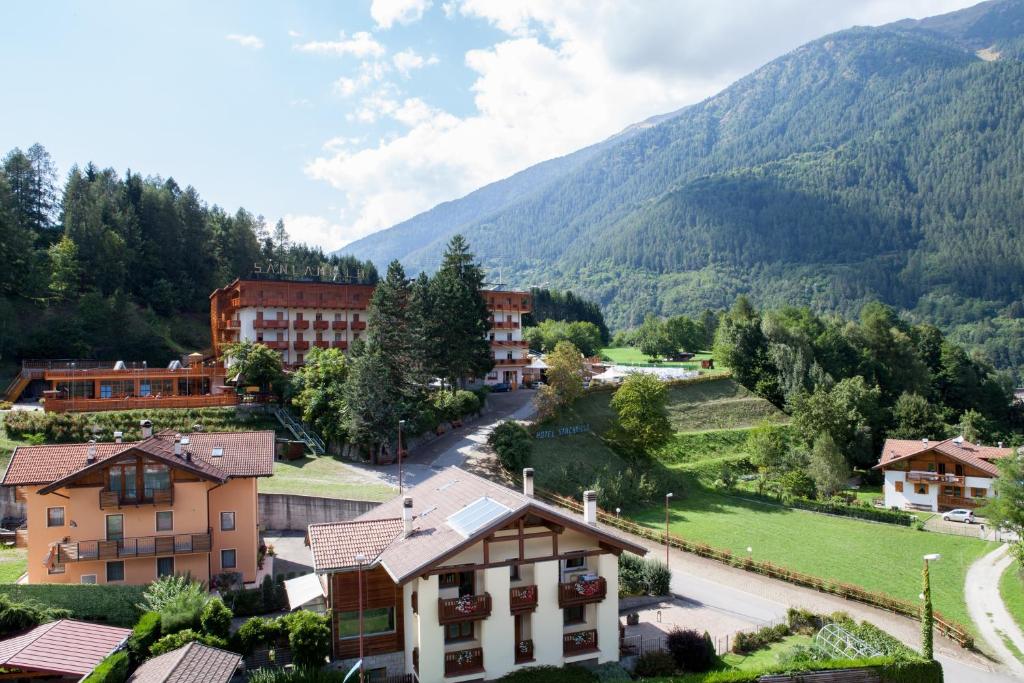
(946, 627)
(639, 645)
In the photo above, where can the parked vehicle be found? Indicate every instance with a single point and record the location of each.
(501, 386)
(959, 515)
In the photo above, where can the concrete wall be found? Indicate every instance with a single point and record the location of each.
(284, 512)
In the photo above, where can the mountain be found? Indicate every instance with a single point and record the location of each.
(873, 163)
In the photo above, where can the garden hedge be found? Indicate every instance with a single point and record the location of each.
(890, 670)
(113, 669)
(858, 511)
(111, 604)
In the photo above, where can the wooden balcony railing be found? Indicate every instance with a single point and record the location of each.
(321, 324)
(524, 651)
(322, 344)
(339, 325)
(518, 343)
(581, 592)
(358, 324)
(511, 361)
(300, 324)
(578, 643)
(339, 344)
(462, 662)
(89, 405)
(113, 499)
(951, 502)
(934, 477)
(261, 324)
(466, 608)
(522, 599)
(277, 345)
(504, 325)
(301, 345)
(146, 546)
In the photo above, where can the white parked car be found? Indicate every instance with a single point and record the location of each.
(959, 515)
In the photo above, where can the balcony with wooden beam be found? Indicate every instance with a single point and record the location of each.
(111, 500)
(579, 643)
(145, 546)
(582, 592)
(465, 608)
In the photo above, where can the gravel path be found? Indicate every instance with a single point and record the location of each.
(988, 611)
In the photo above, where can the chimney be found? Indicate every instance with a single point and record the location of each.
(177, 444)
(118, 436)
(90, 454)
(1000, 444)
(407, 516)
(184, 447)
(528, 482)
(959, 441)
(590, 507)
(147, 428)
(925, 441)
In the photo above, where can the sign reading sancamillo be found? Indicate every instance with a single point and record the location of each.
(322, 271)
(564, 431)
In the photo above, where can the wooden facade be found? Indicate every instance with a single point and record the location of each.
(378, 591)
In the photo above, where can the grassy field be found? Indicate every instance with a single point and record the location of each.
(325, 477)
(1011, 589)
(766, 657)
(634, 356)
(721, 404)
(13, 563)
(879, 557)
(7, 446)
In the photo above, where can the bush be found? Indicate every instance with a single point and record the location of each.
(257, 632)
(802, 620)
(21, 616)
(112, 604)
(550, 674)
(216, 618)
(658, 577)
(748, 641)
(145, 633)
(631, 575)
(175, 640)
(182, 612)
(512, 443)
(309, 635)
(454, 405)
(654, 664)
(609, 672)
(168, 589)
(692, 651)
(113, 669)
(297, 675)
(917, 671)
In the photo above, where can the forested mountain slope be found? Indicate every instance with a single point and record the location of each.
(872, 163)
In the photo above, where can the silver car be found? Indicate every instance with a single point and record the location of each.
(959, 515)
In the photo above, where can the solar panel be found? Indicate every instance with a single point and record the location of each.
(477, 515)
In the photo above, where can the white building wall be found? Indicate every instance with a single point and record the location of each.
(893, 497)
(497, 632)
(248, 332)
(429, 635)
(979, 483)
(547, 619)
(608, 610)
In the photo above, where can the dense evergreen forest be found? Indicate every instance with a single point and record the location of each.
(871, 164)
(121, 267)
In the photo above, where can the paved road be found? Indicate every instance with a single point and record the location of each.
(987, 609)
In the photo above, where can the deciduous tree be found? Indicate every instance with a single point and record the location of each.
(640, 406)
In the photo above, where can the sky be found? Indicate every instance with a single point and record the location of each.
(345, 117)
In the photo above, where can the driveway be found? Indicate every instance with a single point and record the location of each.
(987, 609)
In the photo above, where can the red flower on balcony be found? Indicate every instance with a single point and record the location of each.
(467, 604)
(588, 589)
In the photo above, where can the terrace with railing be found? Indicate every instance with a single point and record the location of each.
(146, 546)
(462, 662)
(579, 642)
(582, 592)
(465, 608)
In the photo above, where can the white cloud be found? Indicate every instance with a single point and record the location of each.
(387, 12)
(251, 42)
(409, 60)
(301, 103)
(362, 44)
(369, 72)
(568, 74)
(294, 34)
(316, 231)
(450, 9)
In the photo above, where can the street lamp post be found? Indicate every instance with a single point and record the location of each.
(359, 561)
(668, 497)
(927, 638)
(400, 478)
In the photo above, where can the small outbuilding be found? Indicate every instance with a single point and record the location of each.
(65, 649)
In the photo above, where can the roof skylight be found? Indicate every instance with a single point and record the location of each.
(477, 515)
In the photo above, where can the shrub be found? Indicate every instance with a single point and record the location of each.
(182, 612)
(658, 577)
(655, 664)
(175, 640)
(631, 575)
(167, 589)
(111, 603)
(609, 672)
(145, 633)
(21, 616)
(839, 506)
(309, 635)
(257, 631)
(550, 674)
(748, 641)
(113, 669)
(692, 651)
(802, 620)
(297, 675)
(216, 618)
(512, 443)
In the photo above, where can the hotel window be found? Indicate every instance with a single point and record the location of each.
(164, 520)
(899, 487)
(280, 336)
(931, 467)
(921, 489)
(87, 579)
(508, 336)
(144, 389)
(259, 315)
(155, 478)
(298, 336)
(54, 516)
(319, 316)
(978, 493)
(115, 571)
(319, 336)
(337, 336)
(298, 316)
(280, 315)
(227, 521)
(574, 615)
(164, 567)
(462, 630)
(259, 336)
(356, 336)
(574, 563)
(375, 620)
(513, 572)
(337, 316)
(227, 559)
(355, 317)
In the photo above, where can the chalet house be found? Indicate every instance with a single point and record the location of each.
(464, 579)
(132, 512)
(938, 475)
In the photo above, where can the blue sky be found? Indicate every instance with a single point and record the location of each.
(345, 117)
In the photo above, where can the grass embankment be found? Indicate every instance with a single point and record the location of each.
(13, 563)
(766, 657)
(1011, 590)
(630, 355)
(325, 477)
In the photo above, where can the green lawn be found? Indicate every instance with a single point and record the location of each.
(722, 404)
(1011, 590)
(766, 657)
(13, 563)
(325, 477)
(634, 356)
(879, 557)
(7, 447)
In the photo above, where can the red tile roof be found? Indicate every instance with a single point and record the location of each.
(981, 457)
(245, 454)
(192, 663)
(64, 647)
(336, 544)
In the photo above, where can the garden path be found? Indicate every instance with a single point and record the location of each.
(988, 611)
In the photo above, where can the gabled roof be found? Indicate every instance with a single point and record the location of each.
(64, 647)
(434, 539)
(980, 457)
(244, 454)
(191, 663)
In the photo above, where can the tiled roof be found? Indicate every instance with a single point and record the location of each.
(64, 647)
(245, 454)
(191, 663)
(981, 457)
(433, 539)
(335, 545)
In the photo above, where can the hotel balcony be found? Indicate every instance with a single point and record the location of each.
(358, 324)
(934, 477)
(301, 345)
(322, 344)
(339, 345)
(300, 324)
(276, 345)
(511, 361)
(262, 324)
(236, 302)
(466, 608)
(517, 343)
(522, 599)
(113, 499)
(504, 324)
(146, 546)
(229, 324)
(524, 651)
(321, 324)
(578, 643)
(582, 592)
(339, 325)
(462, 662)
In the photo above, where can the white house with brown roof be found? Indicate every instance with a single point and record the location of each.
(464, 579)
(938, 475)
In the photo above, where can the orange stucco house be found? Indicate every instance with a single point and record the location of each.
(131, 512)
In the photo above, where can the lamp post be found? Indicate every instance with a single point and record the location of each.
(360, 558)
(668, 497)
(400, 479)
(927, 644)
